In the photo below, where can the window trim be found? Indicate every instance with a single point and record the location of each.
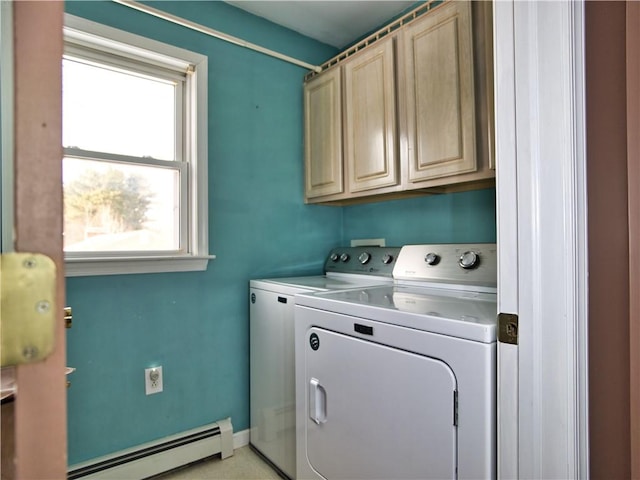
(92, 35)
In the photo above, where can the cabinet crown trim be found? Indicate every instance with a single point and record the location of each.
(379, 34)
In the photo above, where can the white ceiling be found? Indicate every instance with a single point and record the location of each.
(337, 23)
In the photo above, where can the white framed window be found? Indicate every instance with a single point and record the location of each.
(135, 153)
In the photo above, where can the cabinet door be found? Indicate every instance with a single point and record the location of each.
(438, 60)
(323, 135)
(370, 117)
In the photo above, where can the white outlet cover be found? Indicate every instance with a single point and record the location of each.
(368, 242)
(153, 380)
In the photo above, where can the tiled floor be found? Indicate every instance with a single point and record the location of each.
(243, 465)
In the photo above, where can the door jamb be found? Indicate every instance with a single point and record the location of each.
(541, 200)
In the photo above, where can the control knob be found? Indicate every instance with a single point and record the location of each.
(334, 257)
(432, 258)
(469, 260)
(364, 258)
(344, 257)
(387, 258)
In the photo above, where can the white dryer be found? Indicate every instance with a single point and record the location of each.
(398, 381)
(272, 370)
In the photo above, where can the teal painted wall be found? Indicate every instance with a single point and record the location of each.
(196, 324)
(465, 217)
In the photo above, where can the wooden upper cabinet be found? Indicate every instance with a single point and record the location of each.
(439, 87)
(371, 158)
(408, 114)
(323, 135)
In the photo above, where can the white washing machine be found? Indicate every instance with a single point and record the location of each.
(272, 370)
(398, 381)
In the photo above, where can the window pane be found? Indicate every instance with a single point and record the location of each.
(110, 206)
(111, 111)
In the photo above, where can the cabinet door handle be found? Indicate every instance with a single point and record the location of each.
(317, 402)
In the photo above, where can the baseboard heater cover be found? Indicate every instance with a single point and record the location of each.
(161, 456)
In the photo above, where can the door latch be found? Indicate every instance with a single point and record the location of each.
(28, 308)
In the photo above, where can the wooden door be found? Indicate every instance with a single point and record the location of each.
(371, 146)
(633, 180)
(34, 424)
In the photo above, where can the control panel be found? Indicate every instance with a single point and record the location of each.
(461, 263)
(362, 260)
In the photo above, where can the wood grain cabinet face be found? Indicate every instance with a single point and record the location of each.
(323, 135)
(411, 113)
(439, 86)
(370, 118)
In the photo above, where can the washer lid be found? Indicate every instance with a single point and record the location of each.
(462, 314)
(328, 282)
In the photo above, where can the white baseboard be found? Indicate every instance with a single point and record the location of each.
(241, 439)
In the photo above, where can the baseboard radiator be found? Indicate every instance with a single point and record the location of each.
(161, 456)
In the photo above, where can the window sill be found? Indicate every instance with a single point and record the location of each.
(75, 267)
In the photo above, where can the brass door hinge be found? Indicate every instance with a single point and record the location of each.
(508, 328)
(27, 307)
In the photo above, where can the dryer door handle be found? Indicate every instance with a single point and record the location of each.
(317, 402)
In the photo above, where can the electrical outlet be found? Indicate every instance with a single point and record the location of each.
(153, 380)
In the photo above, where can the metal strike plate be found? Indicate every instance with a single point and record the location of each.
(508, 328)
(68, 317)
(27, 307)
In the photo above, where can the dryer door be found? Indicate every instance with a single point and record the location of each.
(377, 412)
